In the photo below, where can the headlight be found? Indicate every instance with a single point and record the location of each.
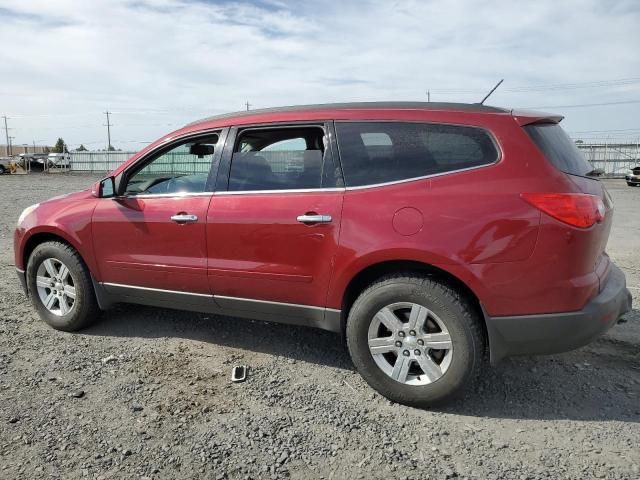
(26, 212)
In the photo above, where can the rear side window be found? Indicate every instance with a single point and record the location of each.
(280, 159)
(558, 148)
(380, 152)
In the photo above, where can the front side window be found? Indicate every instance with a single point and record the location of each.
(182, 169)
(380, 152)
(279, 159)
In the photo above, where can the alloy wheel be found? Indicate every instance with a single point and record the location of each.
(410, 343)
(56, 287)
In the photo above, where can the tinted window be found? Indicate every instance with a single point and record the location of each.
(182, 169)
(279, 159)
(379, 152)
(558, 148)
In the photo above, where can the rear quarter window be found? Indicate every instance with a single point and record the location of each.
(558, 148)
(381, 152)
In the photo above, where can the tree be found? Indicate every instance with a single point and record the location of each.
(81, 148)
(579, 142)
(59, 146)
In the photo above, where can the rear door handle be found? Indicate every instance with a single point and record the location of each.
(184, 218)
(314, 218)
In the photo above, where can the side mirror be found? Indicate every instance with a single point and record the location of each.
(105, 188)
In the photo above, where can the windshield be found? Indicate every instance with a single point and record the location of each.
(559, 148)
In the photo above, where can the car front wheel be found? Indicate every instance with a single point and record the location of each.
(416, 341)
(60, 287)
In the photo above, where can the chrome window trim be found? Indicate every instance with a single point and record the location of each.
(415, 179)
(168, 195)
(261, 192)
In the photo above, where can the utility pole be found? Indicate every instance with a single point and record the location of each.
(428, 96)
(247, 105)
(108, 125)
(6, 134)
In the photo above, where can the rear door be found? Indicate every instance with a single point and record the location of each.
(273, 224)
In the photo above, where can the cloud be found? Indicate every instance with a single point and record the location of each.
(161, 63)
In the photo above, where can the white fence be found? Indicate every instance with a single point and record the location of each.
(614, 158)
(98, 161)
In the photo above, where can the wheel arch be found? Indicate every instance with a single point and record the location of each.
(40, 237)
(104, 301)
(369, 274)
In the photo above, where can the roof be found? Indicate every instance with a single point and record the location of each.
(465, 107)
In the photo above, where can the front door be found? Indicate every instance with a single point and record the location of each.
(151, 238)
(273, 234)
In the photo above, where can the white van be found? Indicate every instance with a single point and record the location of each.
(59, 160)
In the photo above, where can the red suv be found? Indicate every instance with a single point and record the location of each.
(430, 235)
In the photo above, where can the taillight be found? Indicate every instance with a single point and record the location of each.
(575, 209)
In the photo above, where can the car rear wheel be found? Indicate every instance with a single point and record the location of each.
(2, 169)
(60, 287)
(414, 340)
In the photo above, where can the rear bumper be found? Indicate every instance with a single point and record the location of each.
(560, 332)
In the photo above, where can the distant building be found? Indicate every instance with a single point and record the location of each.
(18, 149)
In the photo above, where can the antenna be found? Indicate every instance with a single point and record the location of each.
(492, 90)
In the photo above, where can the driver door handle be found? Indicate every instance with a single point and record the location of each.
(184, 218)
(314, 218)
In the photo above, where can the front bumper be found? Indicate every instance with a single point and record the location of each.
(560, 332)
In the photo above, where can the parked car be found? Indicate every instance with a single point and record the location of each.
(33, 161)
(58, 160)
(429, 235)
(4, 165)
(633, 177)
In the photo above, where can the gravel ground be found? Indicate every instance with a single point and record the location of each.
(146, 394)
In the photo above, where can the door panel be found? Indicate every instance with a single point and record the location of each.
(259, 250)
(137, 243)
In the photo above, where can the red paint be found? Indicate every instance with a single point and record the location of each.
(258, 250)
(474, 225)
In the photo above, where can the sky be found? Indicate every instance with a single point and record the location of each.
(159, 64)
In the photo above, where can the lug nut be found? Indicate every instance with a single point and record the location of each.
(412, 333)
(401, 334)
(416, 351)
(398, 344)
(420, 342)
(406, 353)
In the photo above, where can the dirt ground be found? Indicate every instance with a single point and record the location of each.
(145, 393)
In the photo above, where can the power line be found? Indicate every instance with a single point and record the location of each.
(580, 105)
(547, 87)
(108, 125)
(6, 133)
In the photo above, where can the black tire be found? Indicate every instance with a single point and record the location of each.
(461, 320)
(2, 169)
(85, 308)
(632, 184)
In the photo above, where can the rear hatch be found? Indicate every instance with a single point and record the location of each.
(561, 151)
